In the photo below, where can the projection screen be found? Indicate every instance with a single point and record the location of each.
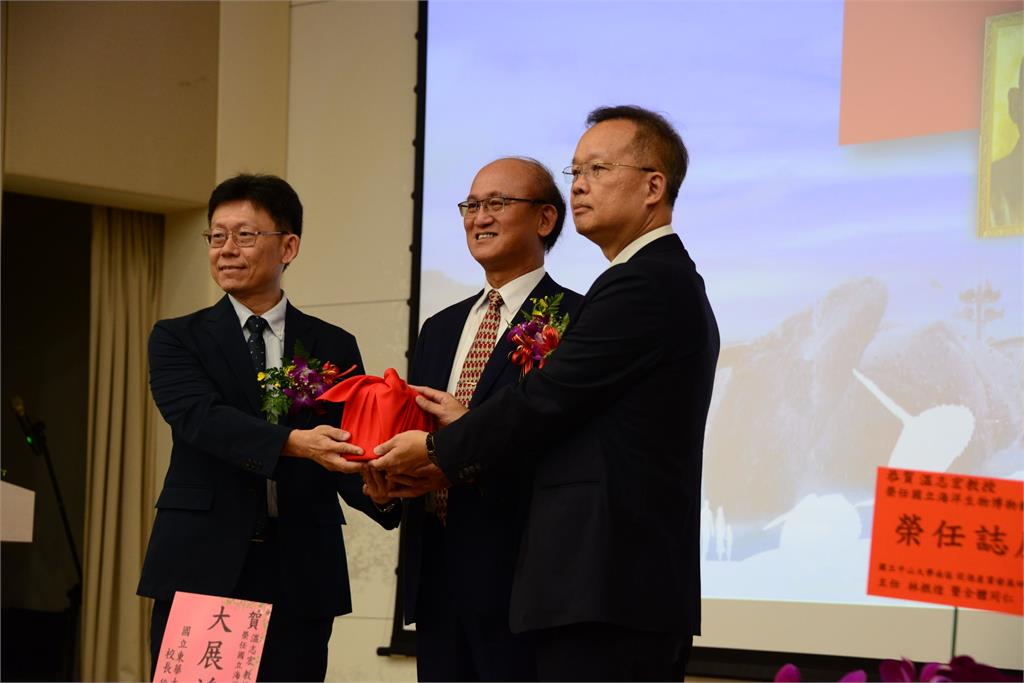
(837, 228)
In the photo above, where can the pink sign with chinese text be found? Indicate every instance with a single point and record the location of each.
(209, 638)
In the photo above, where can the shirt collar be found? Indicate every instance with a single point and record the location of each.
(513, 293)
(274, 317)
(639, 243)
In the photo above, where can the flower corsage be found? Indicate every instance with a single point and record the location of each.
(539, 334)
(295, 385)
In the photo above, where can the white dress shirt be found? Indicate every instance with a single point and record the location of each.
(639, 243)
(513, 296)
(273, 333)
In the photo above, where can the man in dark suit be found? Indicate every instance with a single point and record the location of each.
(459, 553)
(249, 509)
(608, 577)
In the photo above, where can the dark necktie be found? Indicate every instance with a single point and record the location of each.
(258, 353)
(257, 347)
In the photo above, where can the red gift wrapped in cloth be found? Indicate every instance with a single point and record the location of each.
(377, 408)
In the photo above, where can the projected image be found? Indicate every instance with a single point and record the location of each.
(863, 321)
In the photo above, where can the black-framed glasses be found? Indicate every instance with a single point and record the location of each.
(242, 238)
(595, 169)
(470, 207)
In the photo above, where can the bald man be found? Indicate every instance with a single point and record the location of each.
(460, 546)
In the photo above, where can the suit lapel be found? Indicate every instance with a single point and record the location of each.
(442, 369)
(297, 328)
(226, 332)
(499, 362)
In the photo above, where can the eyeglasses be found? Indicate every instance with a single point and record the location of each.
(595, 169)
(243, 238)
(492, 204)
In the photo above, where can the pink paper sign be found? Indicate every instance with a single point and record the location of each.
(209, 639)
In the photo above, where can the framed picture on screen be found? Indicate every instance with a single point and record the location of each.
(1001, 149)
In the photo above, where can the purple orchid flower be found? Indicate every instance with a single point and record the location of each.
(787, 674)
(302, 400)
(897, 671)
(935, 673)
(964, 668)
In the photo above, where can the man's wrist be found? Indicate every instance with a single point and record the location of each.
(386, 507)
(432, 449)
(292, 445)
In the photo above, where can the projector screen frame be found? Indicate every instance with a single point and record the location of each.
(709, 661)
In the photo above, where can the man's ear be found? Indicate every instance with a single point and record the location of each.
(656, 187)
(291, 248)
(548, 218)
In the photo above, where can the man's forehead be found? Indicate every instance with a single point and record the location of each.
(239, 212)
(501, 177)
(605, 141)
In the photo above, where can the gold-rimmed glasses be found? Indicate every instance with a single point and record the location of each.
(595, 169)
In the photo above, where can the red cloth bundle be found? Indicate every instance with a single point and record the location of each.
(377, 408)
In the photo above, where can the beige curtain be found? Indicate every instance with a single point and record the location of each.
(120, 486)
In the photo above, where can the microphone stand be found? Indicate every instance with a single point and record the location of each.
(35, 437)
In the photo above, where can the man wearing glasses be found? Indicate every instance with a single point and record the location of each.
(459, 546)
(249, 509)
(608, 578)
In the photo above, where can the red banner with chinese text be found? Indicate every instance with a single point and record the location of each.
(948, 538)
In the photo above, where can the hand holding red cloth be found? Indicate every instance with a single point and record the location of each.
(377, 408)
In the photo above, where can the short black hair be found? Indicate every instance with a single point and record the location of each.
(547, 192)
(654, 136)
(264, 191)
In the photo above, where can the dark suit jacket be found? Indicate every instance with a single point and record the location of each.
(484, 521)
(204, 384)
(613, 528)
